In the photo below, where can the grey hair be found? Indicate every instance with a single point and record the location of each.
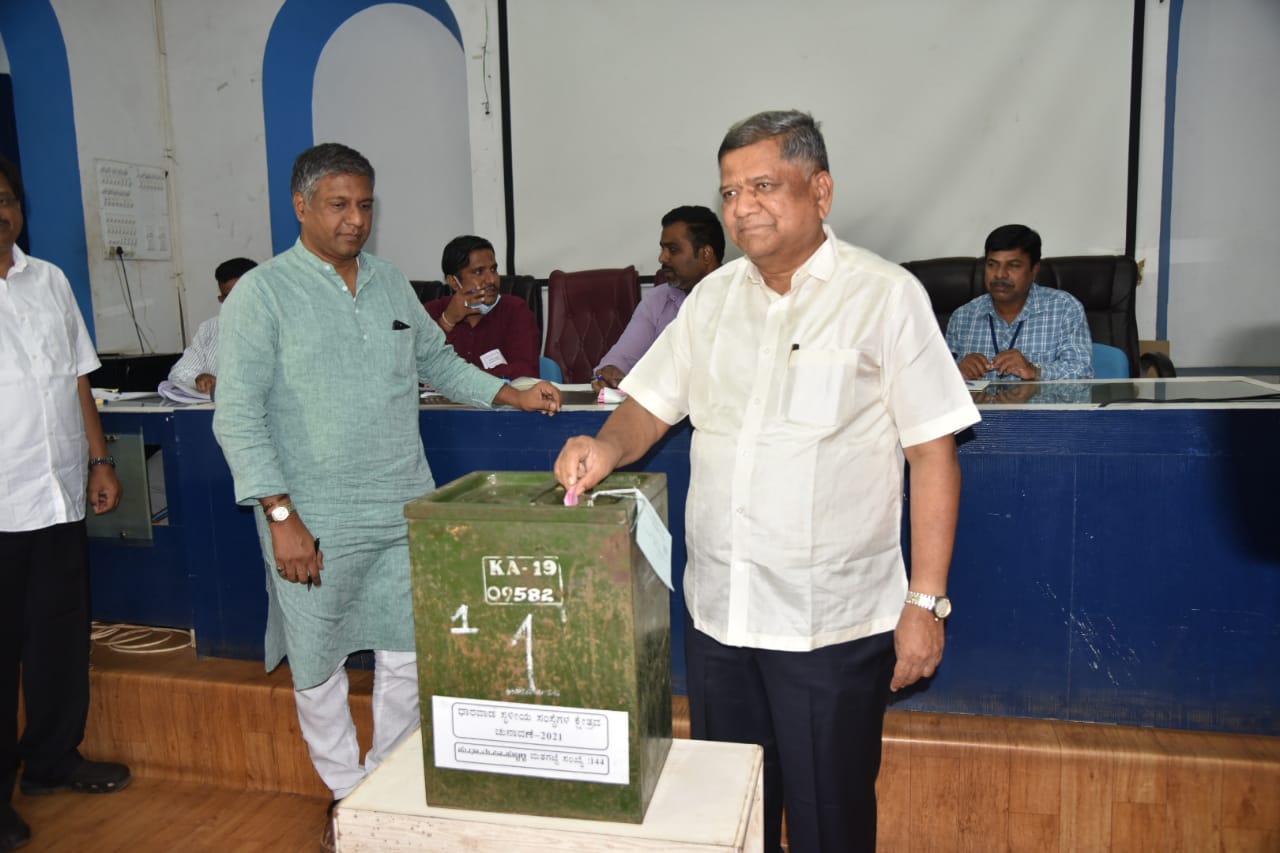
(801, 139)
(320, 161)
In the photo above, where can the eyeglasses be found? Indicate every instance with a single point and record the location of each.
(7, 201)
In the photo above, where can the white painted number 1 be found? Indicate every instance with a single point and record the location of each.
(526, 630)
(464, 628)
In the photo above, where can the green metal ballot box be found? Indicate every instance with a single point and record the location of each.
(544, 646)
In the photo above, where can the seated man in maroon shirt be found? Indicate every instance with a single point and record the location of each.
(496, 332)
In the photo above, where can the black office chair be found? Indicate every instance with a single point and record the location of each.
(429, 291)
(950, 283)
(527, 288)
(1106, 286)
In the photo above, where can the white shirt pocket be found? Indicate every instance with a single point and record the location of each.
(819, 385)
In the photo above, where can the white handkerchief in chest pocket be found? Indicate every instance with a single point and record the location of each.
(818, 380)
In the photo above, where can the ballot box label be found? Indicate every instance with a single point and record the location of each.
(522, 579)
(552, 742)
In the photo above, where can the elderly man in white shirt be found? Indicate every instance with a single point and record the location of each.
(809, 368)
(52, 442)
(198, 367)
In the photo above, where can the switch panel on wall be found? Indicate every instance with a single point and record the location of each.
(133, 207)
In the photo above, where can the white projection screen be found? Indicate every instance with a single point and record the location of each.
(942, 119)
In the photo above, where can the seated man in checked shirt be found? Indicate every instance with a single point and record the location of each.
(1020, 329)
(198, 367)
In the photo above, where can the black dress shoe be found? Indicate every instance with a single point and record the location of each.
(91, 777)
(14, 831)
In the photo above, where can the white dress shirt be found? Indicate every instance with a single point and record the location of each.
(200, 356)
(44, 349)
(801, 405)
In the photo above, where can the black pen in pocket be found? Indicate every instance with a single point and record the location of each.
(317, 564)
(398, 326)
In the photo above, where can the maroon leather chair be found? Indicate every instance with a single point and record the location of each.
(586, 313)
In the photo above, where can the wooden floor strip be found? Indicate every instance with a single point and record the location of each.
(160, 815)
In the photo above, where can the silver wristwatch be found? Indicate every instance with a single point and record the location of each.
(279, 513)
(938, 605)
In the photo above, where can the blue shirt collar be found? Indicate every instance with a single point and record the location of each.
(1033, 305)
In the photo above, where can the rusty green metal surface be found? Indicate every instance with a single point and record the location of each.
(561, 609)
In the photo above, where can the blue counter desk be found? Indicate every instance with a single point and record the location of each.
(1115, 564)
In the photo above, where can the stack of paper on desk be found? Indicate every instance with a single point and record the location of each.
(181, 394)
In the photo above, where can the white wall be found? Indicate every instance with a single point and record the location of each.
(415, 124)
(942, 120)
(213, 58)
(1224, 303)
(119, 115)
(479, 22)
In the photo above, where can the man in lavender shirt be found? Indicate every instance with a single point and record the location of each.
(692, 245)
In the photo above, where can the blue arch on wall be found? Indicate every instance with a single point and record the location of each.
(298, 35)
(47, 141)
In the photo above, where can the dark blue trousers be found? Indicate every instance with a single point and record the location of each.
(819, 716)
(44, 631)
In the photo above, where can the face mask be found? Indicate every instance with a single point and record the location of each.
(485, 309)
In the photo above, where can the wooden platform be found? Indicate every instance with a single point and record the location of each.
(709, 799)
(211, 721)
(955, 782)
(949, 782)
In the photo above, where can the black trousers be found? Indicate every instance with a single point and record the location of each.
(819, 716)
(44, 632)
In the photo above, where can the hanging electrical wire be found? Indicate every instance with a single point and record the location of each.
(128, 298)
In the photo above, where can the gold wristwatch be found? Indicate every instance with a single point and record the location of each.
(280, 512)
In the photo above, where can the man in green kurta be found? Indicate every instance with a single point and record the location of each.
(320, 353)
